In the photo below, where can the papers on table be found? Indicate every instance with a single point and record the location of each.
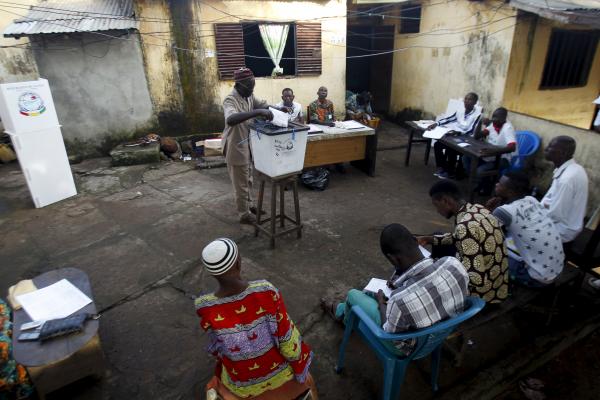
(279, 118)
(349, 125)
(424, 123)
(436, 133)
(58, 300)
(376, 284)
(314, 129)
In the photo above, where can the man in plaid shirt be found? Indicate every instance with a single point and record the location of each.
(424, 291)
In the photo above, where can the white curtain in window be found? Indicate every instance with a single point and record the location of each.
(274, 37)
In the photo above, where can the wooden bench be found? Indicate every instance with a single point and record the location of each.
(520, 297)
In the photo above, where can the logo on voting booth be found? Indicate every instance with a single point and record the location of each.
(283, 146)
(31, 104)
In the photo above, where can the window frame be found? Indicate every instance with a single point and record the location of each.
(307, 40)
(558, 59)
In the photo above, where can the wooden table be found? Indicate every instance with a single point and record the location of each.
(335, 145)
(473, 150)
(415, 135)
(62, 360)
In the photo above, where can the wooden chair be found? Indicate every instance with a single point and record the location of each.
(215, 390)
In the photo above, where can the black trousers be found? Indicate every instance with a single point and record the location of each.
(445, 157)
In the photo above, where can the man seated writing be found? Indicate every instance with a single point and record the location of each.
(424, 291)
(477, 239)
(321, 110)
(499, 133)
(294, 109)
(358, 106)
(537, 257)
(257, 346)
(462, 121)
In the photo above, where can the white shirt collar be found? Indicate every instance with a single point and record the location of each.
(559, 171)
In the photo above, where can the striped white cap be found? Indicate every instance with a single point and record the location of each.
(219, 256)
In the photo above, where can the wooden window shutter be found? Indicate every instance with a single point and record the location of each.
(230, 49)
(308, 49)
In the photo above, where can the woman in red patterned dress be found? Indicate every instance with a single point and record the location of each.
(259, 351)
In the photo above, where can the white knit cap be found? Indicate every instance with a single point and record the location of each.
(219, 256)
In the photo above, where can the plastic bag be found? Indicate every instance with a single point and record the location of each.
(315, 179)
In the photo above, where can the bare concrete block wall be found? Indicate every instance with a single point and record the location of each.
(99, 88)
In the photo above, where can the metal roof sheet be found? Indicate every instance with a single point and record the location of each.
(62, 16)
(580, 12)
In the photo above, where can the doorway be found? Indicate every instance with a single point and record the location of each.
(373, 73)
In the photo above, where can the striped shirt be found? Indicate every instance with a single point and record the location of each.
(429, 292)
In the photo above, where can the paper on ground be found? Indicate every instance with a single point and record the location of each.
(376, 284)
(349, 125)
(436, 133)
(424, 123)
(58, 300)
(279, 118)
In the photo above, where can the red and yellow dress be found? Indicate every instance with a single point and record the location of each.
(255, 341)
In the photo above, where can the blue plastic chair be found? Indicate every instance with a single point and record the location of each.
(428, 340)
(528, 143)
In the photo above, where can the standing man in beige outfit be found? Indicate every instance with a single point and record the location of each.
(239, 107)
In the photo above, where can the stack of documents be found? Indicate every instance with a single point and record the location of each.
(424, 123)
(58, 300)
(349, 125)
(436, 133)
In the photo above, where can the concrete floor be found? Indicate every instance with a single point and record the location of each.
(138, 233)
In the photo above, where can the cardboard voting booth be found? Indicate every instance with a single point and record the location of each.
(29, 117)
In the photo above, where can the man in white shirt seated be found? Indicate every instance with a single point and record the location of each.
(501, 133)
(566, 200)
(536, 254)
(295, 109)
(463, 121)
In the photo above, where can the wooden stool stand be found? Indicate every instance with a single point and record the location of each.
(281, 182)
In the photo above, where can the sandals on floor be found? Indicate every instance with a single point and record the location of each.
(329, 306)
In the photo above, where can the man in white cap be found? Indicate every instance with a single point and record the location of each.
(257, 346)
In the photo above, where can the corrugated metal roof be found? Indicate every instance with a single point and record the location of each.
(580, 12)
(62, 16)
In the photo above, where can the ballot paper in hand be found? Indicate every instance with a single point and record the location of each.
(279, 118)
(436, 133)
(58, 300)
(376, 284)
